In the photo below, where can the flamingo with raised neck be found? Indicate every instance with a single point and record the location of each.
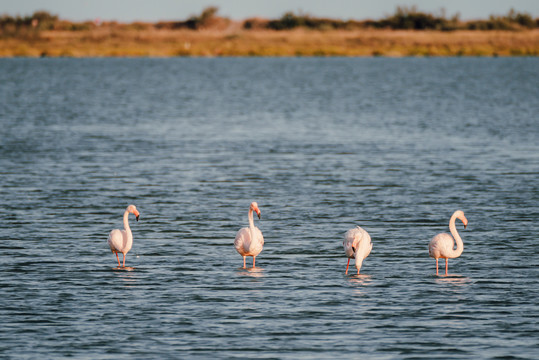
(122, 240)
(441, 245)
(249, 240)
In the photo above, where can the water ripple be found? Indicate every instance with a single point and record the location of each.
(393, 145)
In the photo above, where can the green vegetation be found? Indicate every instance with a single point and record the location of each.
(40, 19)
(512, 21)
(404, 18)
(291, 21)
(412, 19)
(28, 25)
(207, 19)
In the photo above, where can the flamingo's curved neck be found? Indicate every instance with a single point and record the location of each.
(458, 240)
(126, 223)
(359, 255)
(358, 237)
(251, 223)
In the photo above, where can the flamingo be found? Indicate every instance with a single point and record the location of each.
(249, 241)
(357, 244)
(122, 240)
(441, 246)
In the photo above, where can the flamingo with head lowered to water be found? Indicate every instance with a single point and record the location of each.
(357, 245)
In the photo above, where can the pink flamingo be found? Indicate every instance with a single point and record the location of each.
(122, 240)
(249, 241)
(441, 246)
(357, 245)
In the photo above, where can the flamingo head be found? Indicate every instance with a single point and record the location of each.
(460, 215)
(133, 210)
(254, 207)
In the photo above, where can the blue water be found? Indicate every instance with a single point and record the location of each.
(393, 145)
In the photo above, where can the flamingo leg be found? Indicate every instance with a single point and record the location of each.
(124, 261)
(346, 273)
(445, 267)
(436, 266)
(244, 262)
(118, 259)
(254, 257)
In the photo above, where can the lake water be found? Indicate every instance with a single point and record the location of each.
(322, 144)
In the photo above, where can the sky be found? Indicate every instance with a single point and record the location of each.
(154, 10)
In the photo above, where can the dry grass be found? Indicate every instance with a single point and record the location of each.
(237, 42)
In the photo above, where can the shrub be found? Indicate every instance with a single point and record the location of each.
(255, 24)
(291, 21)
(287, 22)
(512, 21)
(205, 19)
(406, 18)
(44, 20)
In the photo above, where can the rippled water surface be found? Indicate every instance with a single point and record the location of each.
(393, 145)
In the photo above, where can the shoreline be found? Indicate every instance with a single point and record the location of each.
(106, 42)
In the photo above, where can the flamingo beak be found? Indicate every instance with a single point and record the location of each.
(258, 213)
(137, 215)
(466, 224)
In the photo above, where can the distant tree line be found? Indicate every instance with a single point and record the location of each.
(208, 19)
(404, 18)
(38, 21)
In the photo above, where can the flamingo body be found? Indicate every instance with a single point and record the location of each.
(442, 245)
(357, 245)
(245, 246)
(121, 241)
(249, 240)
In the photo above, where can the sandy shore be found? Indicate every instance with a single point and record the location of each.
(237, 42)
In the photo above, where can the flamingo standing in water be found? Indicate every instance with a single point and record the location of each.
(357, 245)
(441, 246)
(249, 241)
(122, 240)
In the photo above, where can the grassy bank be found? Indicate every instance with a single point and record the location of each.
(108, 41)
(408, 32)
